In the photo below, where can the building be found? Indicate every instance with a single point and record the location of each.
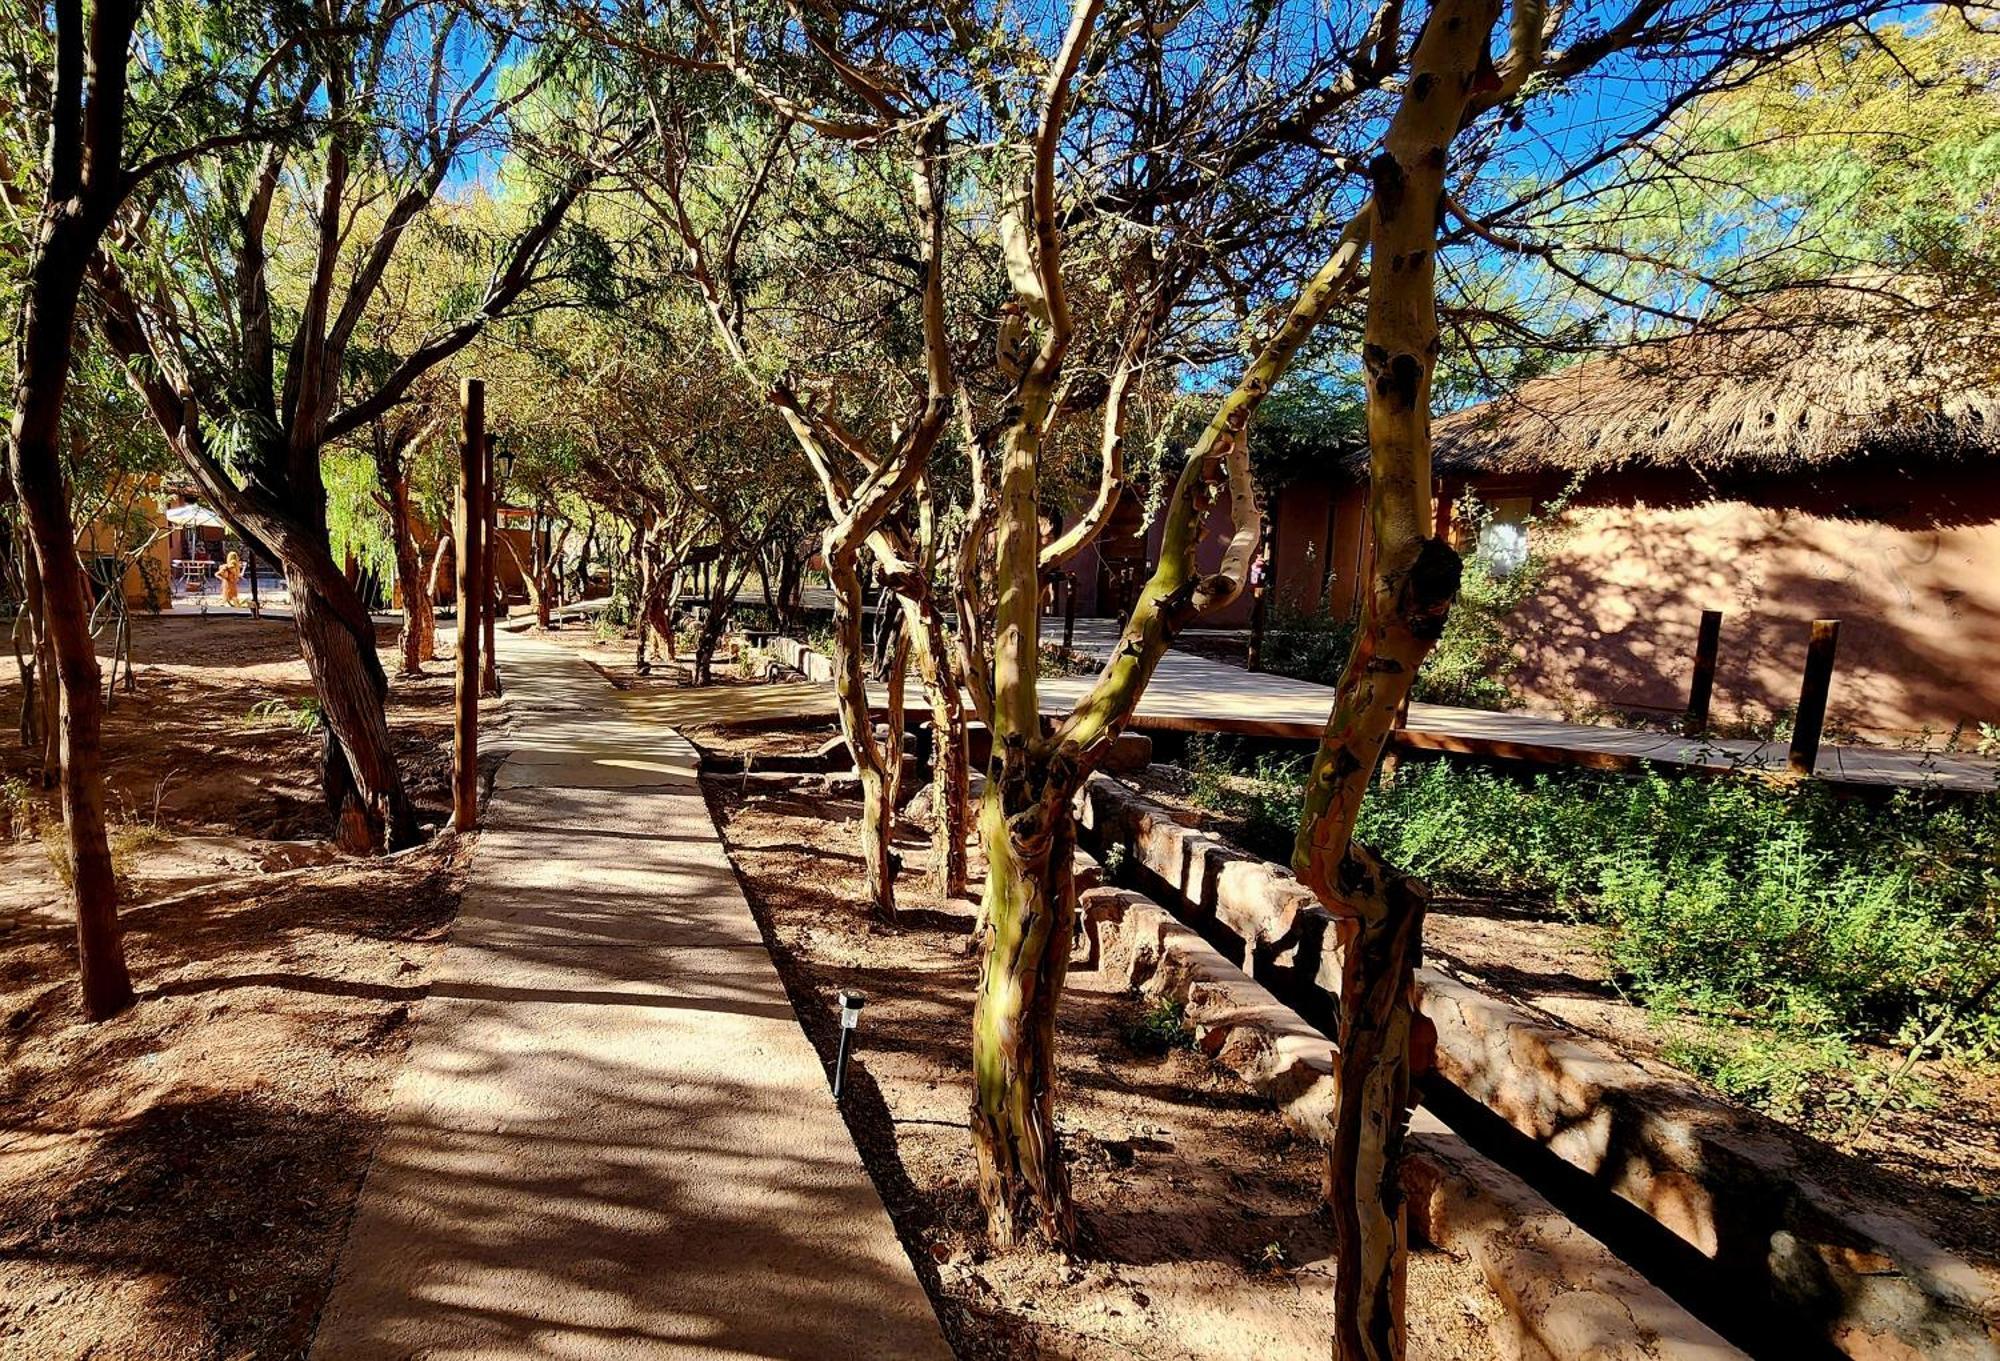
(1830, 452)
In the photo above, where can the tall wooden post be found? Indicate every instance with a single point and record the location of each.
(1705, 649)
(1813, 690)
(489, 564)
(471, 510)
(1069, 613)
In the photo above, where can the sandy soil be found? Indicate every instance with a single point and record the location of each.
(176, 1182)
(1939, 1155)
(1200, 1214)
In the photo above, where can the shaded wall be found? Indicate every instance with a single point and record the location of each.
(145, 587)
(1907, 559)
(1300, 517)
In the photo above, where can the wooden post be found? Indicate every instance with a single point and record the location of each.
(471, 511)
(1069, 612)
(256, 605)
(1813, 690)
(489, 571)
(1705, 649)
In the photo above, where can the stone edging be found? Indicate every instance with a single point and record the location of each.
(1566, 1297)
(1737, 1187)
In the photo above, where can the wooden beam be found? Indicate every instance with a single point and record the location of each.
(1707, 645)
(471, 510)
(1813, 690)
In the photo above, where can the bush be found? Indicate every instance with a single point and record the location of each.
(302, 715)
(1790, 904)
(1161, 1027)
(1306, 646)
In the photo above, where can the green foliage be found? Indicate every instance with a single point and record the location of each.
(1300, 430)
(1265, 793)
(1470, 664)
(20, 813)
(1306, 645)
(1789, 904)
(1160, 1028)
(301, 715)
(1770, 927)
(1856, 153)
(356, 522)
(1794, 1077)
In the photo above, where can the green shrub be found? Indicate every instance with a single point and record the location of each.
(1161, 1027)
(301, 715)
(20, 811)
(1306, 646)
(1788, 903)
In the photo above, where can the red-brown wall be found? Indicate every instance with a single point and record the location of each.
(1907, 559)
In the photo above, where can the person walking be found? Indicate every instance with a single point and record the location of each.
(229, 574)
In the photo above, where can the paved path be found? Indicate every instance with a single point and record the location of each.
(612, 1139)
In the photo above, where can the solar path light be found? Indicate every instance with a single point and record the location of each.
(850, 1017)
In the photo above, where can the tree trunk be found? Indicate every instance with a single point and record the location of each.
(1410, 587)
(87, 182)
(951, 771)
(364, 787)
(438, 581)
(1029, 915)
(878, 854)
(419, 640)
(725, 578)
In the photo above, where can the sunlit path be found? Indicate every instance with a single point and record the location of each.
(612, 1139)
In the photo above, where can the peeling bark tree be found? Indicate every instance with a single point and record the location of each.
(1383, 1039)
(87, 182)
(1027, 821)
(860, 506)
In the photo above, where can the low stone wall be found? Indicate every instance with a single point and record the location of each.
(795, 654)
(1751, 1198)
(1566, 1296)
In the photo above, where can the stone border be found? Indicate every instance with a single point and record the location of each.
(1741, 1190)
(1566, 1296)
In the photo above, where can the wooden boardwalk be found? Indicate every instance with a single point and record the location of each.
(1196, 694)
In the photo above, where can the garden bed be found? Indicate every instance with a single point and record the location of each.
(1201, 1215)
(176, 1182)
(1939, 1125)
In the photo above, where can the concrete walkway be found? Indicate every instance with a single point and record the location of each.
(612, 1139)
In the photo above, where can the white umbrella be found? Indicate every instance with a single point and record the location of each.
(194, 517)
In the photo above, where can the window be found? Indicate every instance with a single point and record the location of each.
(1503, 539)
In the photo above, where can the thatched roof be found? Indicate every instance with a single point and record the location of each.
(1801, 378)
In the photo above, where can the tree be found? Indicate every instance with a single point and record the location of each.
(394, 440)
(84, 92)
(389, 103)
(88, 179)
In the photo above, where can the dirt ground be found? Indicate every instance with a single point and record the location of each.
(1938, 1155)
(176, 1182)
(1202, 1233)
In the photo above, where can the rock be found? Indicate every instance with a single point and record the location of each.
(1130, 752)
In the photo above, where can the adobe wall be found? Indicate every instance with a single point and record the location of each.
(1908, 560)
